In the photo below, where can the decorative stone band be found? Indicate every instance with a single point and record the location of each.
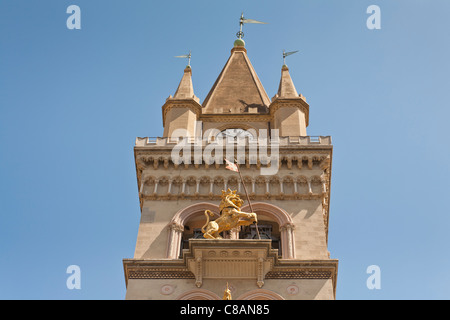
(288, 141)
(230, 259)
(198, 270)
(148, 273)
(299, 274)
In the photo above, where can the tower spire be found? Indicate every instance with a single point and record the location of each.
(185, 89)
(286, 88)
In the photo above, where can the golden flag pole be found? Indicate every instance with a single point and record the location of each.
(246, 193)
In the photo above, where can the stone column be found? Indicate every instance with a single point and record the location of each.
(287, 241)
(175, 235)
(155, 191)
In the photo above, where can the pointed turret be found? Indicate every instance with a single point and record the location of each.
(289, 109)
(286, 89)
(183, 109)
(185, 89)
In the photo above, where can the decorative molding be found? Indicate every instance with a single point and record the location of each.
(299, 274)
(198, 264)
(292, 289)
(146, 273)
(167, 289)
(237, 117)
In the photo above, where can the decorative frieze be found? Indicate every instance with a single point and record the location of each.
(299, 274)
(168, 187)
(153, 273)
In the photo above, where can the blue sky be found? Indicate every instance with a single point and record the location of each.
(73, 101)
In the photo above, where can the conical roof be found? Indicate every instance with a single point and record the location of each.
(286, 88)
(238, 88)
(185, 89)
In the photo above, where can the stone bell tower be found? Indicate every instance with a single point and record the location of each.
(284, 255)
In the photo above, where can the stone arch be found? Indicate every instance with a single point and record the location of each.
(219, 184)
(233, 183)
(249, 185)
(302, 185)
(163, 185)
(176, 225)
(260, 294)
(175, 187)
(190, 186)
(284, 221)
(205, 182)
(198, 294)
(260, 185)
(274, 185)
(287, 185)
(147, 184)
(316, 184)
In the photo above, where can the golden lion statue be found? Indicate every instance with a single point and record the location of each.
(230, 216)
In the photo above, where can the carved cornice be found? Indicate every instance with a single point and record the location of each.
(204, 256)
(154, 273)
(288, 143)
(299, 274)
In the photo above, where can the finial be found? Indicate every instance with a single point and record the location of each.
(243, 20)
(188, 56)
(285, 54)
(227, 294)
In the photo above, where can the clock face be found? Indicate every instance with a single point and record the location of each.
(235, 133)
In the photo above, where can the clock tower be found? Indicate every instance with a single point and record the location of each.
(284, 173)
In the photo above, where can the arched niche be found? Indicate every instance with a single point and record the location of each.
(264, 210)
(178, 222)
(271, 212)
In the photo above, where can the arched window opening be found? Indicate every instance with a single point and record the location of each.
(268, 229)
(275, 223)
(192, 230)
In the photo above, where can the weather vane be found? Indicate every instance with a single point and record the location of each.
(285, 54)
(188, 56)
(243, 20)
